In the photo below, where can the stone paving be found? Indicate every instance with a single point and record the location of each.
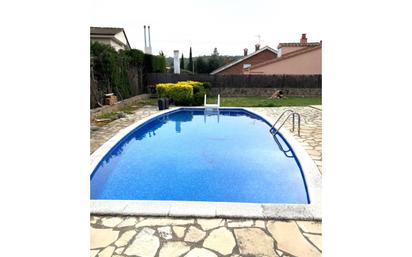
(123, 236)
(99, 135)
(166, 237)
(310, 131)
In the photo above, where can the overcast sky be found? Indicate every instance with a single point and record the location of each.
(229, 25)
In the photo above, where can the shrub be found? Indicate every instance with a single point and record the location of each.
(179, 94)
(199, 92)
(163, 89)
(111, 68)
(183, 92)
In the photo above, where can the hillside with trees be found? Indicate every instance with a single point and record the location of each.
(202, 64)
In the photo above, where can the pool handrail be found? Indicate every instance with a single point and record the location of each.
(293, 113)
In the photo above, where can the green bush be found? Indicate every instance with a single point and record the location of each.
(183, 92)
(153, 63)
(163, 89)
(111, 68)
(179, 94)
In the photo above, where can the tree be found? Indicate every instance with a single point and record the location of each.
(182, 63)
(215, 52)
(201, 65)
(215, 61)
(190, 64)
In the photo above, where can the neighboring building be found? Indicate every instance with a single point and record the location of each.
(115, 37)
(247, 61)
(301, 58)
(293, 58)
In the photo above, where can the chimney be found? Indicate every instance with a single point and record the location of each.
(176, 63)
(245, 51)
(150, 43)
(144, 36)
(303, 40)
(257, 46)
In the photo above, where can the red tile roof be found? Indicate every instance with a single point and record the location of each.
(288, 55)
(311, 44)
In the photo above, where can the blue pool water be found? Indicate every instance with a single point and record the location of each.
(187, 155)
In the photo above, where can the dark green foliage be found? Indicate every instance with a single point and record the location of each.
(153, 63)
(111, 68)
(182, 63)
(135, 57)
(199, 92)
(201, 65)
(159, 64)
(190, 64)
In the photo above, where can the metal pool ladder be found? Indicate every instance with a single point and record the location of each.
(292, 113)
(212, 106)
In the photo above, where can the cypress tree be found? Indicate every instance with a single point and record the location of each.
(190, 64)
(182, 63)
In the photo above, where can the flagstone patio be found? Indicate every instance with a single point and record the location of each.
(169, 237)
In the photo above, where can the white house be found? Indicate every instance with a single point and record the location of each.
(115, 37)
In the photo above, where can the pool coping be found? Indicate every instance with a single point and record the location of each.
(311, 173)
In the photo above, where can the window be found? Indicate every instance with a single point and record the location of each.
(247, 66)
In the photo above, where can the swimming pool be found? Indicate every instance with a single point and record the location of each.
(189, 154)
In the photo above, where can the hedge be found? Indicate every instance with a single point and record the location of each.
(111, 67)
(183, 92)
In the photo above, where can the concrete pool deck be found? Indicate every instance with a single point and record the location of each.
(163, 236)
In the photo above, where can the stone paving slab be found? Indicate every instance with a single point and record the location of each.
(158, 237)
(163, 237)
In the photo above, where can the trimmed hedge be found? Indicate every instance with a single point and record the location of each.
(183, 92)
(111, 67)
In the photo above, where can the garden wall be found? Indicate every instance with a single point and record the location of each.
(248, 85)
(117, 106)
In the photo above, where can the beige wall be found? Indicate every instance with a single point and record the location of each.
(108, 41)
(101, 40)
(302, 64)
(116, 46)
(121, 37)
(288, 49)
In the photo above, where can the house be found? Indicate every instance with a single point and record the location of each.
(248, 60)
(301, 58)
(115, 37)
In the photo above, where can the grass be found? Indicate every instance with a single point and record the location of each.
(109, 115)
(261, 101)
(128, 109)
(244, 101)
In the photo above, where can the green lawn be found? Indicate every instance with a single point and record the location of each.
(261, 101)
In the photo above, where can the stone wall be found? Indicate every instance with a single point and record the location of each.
(116, 107)
(265, 91)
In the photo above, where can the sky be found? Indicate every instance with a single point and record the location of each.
(228, 25)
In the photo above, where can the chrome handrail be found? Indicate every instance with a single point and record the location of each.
(283, 113)
(284, 121)
(281, 147)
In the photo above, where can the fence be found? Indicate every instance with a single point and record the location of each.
(248, 85)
